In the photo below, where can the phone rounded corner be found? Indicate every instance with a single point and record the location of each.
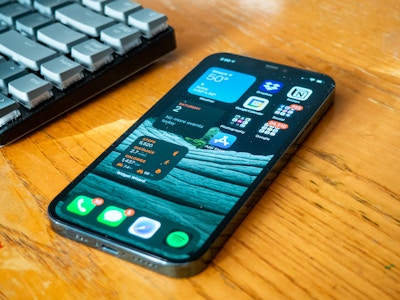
(331, 82)
(56, 222)
(51, 210)
(186, 269)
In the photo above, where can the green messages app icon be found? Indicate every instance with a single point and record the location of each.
(81, 205)
(112, 216)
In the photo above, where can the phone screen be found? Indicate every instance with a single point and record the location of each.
(173, 181)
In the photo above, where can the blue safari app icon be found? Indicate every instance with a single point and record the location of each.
(222, 140)
(144, 227)
(222, 85)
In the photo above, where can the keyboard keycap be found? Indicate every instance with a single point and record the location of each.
(83, 19)
(8, 72)
(4, 2)
(3, 27)
(31, 23)
(92, 54)
(48, 7)
(148, 22)
(8, 110)
(121, 37)
(30, 90)
(97, 5)
(23, 50)
(9, 13)
(27, 3)
(121, 9)
(60, 37)
(62, 72)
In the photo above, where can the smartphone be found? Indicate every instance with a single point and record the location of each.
(171, 190)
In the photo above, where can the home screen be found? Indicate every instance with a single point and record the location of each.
(179, 173)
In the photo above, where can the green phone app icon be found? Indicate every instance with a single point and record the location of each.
(112, 216)
(81, 205)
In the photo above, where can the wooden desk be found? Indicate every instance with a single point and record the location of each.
(328, 227)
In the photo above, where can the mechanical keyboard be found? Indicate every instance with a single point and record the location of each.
(57, 54)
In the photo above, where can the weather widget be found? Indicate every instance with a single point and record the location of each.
(222, 85)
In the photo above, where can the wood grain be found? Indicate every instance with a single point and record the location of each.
(327, 228)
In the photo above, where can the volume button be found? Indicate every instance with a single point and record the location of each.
(303, 135)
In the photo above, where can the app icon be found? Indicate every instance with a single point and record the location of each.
(239, 121)
(144, 227)
(112, 216)
(256, 103)
(270, 86)
(272, 127)
(83, 205)
(223, 140)
(287, 110)
(299, 93)
(177, 239)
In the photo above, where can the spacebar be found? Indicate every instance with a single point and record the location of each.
(24, 50)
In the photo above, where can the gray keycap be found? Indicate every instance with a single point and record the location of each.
(83, 19)
(8, 110)
(148, 22)
(48, 7)
(26, 3)
(121, 37)
(7, 105)
(121, 9)
(9, 71)
(97, 5)
(92, 54)
(31, 23)
(3, 27)
(9, 13)
(23, 50)
(2, 2)
(62, 72)
(60, 37)
(30, 90)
